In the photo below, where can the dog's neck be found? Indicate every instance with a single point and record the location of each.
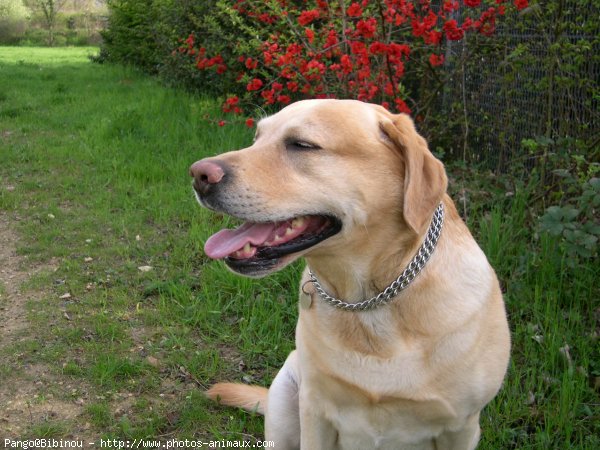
(363, 268)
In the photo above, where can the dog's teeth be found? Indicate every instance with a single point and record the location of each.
(247, 248)
(288, 231)
(298, 222)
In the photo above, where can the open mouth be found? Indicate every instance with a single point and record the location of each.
(258, 247)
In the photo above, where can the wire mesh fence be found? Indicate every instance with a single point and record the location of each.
(538, 77)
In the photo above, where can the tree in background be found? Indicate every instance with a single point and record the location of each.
(87, 10)
(13, 19)
(49, 10)
(51, 22)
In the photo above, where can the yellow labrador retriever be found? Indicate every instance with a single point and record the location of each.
(402, 337)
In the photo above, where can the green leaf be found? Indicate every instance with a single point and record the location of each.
(554, 212)
(570, 213)
(588, 241)
(595, 184)
(591, 228)
(563, 173)
(551, 224)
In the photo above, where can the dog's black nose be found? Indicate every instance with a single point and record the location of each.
(206, 173)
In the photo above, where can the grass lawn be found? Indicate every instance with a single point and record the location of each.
(119, 321)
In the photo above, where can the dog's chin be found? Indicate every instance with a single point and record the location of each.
(259, 268)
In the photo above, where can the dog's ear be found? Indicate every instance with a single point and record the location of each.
(425, 178)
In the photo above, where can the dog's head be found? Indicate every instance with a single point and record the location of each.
(320, 175)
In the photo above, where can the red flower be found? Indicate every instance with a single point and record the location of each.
(354, 10)
(486, 24)
(250, 122)
(436, 60)
(364, 73)
(332, 39)
(294, 49)
(398, 50)
(307, 17)
(284, 99)
(472, 3)
(251, 64)
(268, 58)
(310, 35)
(401, 106)
(367, 93)
(288, 73)
(399, 20)
(467, 24)
(221, 123)
(378, 48)
(358, 48)
(453, 32)
(366, 28)
(231, 104)
(313, 70)
(430, 20)
(347, 66)
(267, 18)
(254, 85)
(433, 37)
(269, 96)
(399, 69)
(420, 28)
(521, 4)
(335, 68)
(450, 6)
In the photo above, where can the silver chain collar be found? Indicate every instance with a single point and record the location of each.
(399, 284)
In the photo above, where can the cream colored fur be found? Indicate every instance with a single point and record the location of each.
(413, 374)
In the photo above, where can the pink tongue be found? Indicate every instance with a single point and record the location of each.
(225, 242)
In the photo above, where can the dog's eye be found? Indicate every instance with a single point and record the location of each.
(297, 144)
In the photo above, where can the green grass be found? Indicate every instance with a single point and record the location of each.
(547, 400)
(97, 156)
(97, 160)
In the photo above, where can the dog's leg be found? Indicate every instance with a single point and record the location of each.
(316, 432)
(282, 419)
(465, 438)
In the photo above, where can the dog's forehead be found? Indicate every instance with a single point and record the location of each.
(320, 116)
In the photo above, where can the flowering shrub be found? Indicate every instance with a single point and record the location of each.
(288, 50)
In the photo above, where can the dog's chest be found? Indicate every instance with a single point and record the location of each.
(374, 403)
(364, 419)
(367, 354)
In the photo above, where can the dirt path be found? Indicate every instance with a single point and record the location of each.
(12, 303)
(31, 393)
